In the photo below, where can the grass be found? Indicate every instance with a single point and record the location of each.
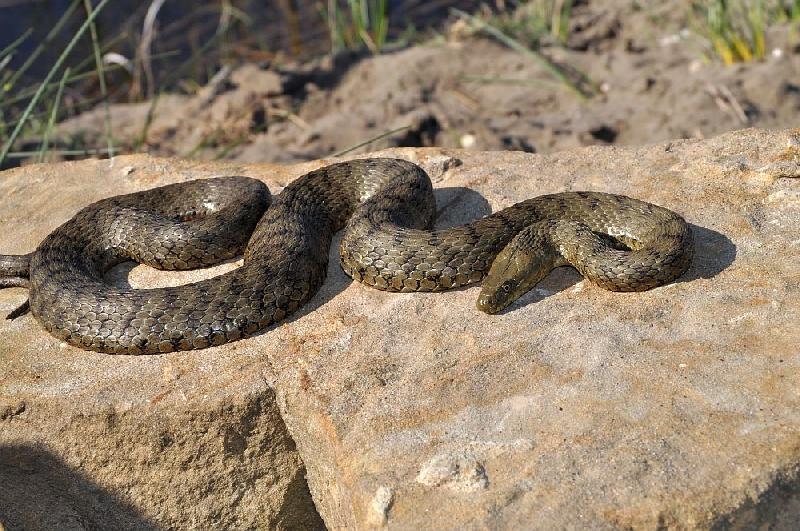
(31, 111)
(359, 23)
(578, 84)
(53, 115)
(8, 52)
(535, 21)
(216, 33)
(28, 111)
(43, 86)
(10, 83)
(72, 79)
(736, 30)
(101, 77)
(369, 141)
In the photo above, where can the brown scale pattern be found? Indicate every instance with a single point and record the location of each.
(388, 206)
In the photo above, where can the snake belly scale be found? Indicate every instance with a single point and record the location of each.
(387, 206)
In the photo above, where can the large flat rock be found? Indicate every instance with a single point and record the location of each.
(576, 407)
(108, 442)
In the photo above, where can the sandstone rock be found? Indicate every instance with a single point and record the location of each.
(576, 407)
(108, 442)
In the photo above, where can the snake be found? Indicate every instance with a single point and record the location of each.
(385, 206)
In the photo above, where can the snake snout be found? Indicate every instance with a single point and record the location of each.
(519, 266)
(486, 303)
(497, 294)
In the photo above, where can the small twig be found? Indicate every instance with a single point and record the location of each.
(214, 86)
(144, 59)
(299, 122)
(289, 115)
(369, 141)
(727, 102)
(737, 108)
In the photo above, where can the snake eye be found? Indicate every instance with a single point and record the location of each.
(506, 286)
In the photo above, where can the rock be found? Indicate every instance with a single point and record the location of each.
(459, 472)
(92, 441)
(576, 407)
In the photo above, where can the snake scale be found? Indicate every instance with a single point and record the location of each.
(387, 206)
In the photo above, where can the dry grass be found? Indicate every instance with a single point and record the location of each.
(736, 30)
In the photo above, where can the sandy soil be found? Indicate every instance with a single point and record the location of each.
(465, 90)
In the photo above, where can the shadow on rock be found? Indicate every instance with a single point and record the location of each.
(560, 279)
(778, 507)
(39, 491)
(294, 513)
(713, 253)
(455, 206)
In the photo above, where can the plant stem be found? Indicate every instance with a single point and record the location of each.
(53, 113)
(39, 49)
(13, 46)
(518, 47)
(101, 77)
(369, 141)
(48, 78)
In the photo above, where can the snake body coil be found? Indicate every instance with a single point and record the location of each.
(388, 207)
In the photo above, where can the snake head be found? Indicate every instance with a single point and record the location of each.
(521, 264)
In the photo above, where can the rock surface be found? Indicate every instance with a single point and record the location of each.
(577, 407)
(108, 442)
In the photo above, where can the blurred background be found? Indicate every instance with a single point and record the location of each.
(290, 80)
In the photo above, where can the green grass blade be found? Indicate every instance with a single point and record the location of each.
(53, 114)
(13, 46)
(26, 93)
(101, 77)
(40, 48)
(515, 45)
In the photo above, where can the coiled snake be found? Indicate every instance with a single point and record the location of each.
(620, 243)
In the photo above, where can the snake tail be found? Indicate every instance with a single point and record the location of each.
(15, 273)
